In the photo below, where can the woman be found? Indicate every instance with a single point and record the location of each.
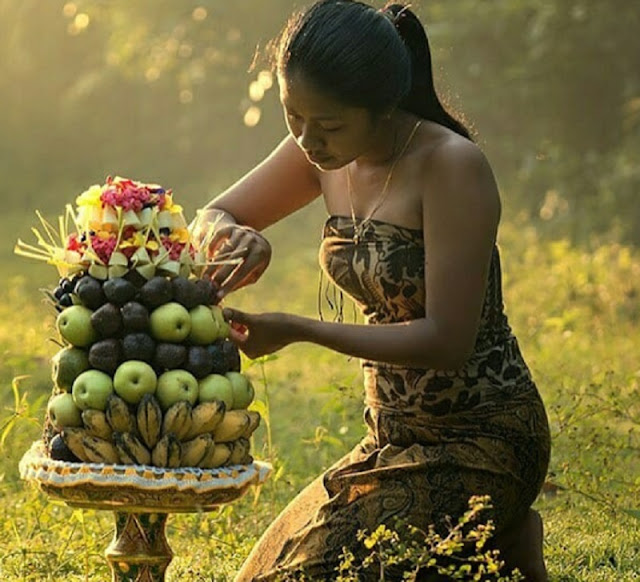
(413, 211)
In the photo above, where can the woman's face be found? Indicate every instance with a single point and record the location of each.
(330, 133)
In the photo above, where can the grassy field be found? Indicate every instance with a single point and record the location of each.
(575, 311)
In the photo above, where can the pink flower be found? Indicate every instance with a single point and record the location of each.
(103, 247)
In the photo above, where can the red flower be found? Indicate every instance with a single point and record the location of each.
(73, 244)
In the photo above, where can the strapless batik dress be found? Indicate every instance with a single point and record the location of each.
(434, 437)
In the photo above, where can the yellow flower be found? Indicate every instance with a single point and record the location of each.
(90, 197)
(180, 235)
(137, 241)
(170, 206)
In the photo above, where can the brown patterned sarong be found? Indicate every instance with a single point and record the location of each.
(434, 439)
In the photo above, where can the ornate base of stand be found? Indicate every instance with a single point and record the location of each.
(142, 497)
(139, 551)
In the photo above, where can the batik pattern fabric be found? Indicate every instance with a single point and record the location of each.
(434, 437)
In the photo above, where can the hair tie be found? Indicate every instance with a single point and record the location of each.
(395, 18)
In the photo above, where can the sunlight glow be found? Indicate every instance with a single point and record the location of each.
(252, 116)
(199, 13)
(265, 78)
(69, 9)
(256, 91)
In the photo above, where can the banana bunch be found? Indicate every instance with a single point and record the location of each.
(205, 435)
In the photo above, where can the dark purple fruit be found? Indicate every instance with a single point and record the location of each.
(59, 451)
(66, 284)
(105, 355)
(169, 356)
(138, 346)
(66, 300)
(119, 290)
(106, 320)
(89, 291)
(198, 362)
(156, 292)
(184, 292)
(136, 278)
(218, 358)
(58, 292)
(232, 354)
(135, 317)
(202, 291)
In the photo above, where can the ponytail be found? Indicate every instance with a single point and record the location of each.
(422, 99)
(376, 59)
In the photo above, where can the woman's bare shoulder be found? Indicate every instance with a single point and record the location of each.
(457, 170)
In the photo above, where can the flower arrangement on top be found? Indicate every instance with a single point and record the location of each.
(120, 227)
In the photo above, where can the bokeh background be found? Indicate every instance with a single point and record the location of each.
(162, 90)
(179, 92)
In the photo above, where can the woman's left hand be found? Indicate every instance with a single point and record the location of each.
(259, 334)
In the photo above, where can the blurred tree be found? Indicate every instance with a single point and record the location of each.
(554, 88)
(161, 90)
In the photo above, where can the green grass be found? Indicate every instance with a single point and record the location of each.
(575, 311)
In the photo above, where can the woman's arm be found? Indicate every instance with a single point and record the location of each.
(283, 183)
(461, 211)
(229, 224)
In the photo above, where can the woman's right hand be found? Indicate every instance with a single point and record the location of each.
(238, 254)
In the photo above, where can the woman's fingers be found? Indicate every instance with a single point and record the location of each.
(240, 256)
(237, 323)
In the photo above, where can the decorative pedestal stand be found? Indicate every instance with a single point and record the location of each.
(141, 497)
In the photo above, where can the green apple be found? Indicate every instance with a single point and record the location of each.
(243, 391)
(216, 387)
(62, 411)
(176, 385)
(92, 389)
(170, 322)
(67, 365)
(74, 325)
(223, 326)
(204, 327)
(133, 379)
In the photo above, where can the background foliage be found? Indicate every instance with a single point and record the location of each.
(163, 91)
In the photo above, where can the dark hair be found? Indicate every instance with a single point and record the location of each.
(376, 59)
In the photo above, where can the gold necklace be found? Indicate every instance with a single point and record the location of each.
(358, 229)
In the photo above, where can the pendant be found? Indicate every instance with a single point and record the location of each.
(357, 233)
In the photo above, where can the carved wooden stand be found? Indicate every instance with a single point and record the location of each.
(141, 498)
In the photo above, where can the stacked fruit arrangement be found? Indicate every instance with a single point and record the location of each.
(146, 373)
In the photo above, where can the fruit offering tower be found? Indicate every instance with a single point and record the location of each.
(146, 373)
